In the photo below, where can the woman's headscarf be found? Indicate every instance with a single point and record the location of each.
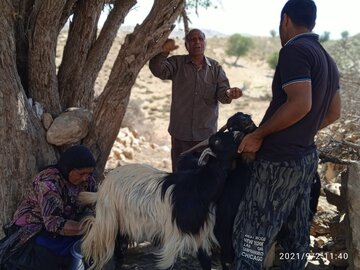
(75, 157)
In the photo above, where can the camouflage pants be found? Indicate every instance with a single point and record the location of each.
(277, 198)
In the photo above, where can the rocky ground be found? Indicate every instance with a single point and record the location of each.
(142, 258)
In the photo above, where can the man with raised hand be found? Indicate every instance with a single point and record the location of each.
(198, 84)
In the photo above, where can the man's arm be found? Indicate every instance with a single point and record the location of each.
(333, 112)
(225, 93)
(297, 105)
(159, 64)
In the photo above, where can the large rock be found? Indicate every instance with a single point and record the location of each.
(338, 229)
(326, 212)
(351, 187)
(69, 127)
(334, 196)
(47, 120)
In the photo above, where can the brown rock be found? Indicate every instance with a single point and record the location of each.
(333, 195)
(351, 188)
(69, 127)
(47, 120)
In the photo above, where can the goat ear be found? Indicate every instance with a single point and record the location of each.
(204, 156)
(238, 136)
(223, 128)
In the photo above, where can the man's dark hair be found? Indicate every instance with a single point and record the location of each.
(301, 12)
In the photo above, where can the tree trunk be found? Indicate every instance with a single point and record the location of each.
(42, 53)
(23, 145)
(22, 41)
(138, 48)
(81, 37)
(82, 76)
(28, 38)
(236, 60)
(68, 10)
(185, 21)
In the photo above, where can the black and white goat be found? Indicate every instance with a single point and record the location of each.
(234, 189)
(235, 185)
(176, 209)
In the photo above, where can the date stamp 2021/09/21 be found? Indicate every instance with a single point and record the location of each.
(313, 256)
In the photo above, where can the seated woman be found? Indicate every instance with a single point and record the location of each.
(45, 225)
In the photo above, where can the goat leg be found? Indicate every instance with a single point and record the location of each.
(204, 259)
(225, 265)
(121, 245)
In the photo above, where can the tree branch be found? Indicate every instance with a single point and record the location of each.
(325, 158)
(42, 51)
(68, 10)
(100, 50)
(81, 37)
(135, 52)
(186, 21)
(159, 26)
(23, 146)
(351, 145)
(24, 9)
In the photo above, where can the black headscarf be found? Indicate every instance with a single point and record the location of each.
(75, 157)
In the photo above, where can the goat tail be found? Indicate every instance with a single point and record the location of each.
(98, 242)
(87, 198)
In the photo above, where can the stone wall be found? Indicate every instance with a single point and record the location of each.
(351, 189)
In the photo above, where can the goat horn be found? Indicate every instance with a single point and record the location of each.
(206, 152)
(223, 128)
(200, 144)
(239, 135)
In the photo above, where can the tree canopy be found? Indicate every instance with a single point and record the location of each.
(238, 46)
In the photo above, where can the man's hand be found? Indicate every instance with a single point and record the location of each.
(234, 92)
(251, 143)
(169, 46)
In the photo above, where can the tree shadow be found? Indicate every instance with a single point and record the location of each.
(234, 65)
(143, 258)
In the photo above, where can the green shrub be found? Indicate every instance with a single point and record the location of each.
(324, 37)
(273, 33)
(238, 45)
(345, 34)
(273, 60)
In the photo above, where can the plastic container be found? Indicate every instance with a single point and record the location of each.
(76, 262)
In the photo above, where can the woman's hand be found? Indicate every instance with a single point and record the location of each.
(72, 227)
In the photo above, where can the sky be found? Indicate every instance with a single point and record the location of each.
(259, 17)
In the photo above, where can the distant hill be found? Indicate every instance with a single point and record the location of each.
(179, 33)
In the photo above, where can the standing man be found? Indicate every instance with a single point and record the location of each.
(198, 83)
(305, 99)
